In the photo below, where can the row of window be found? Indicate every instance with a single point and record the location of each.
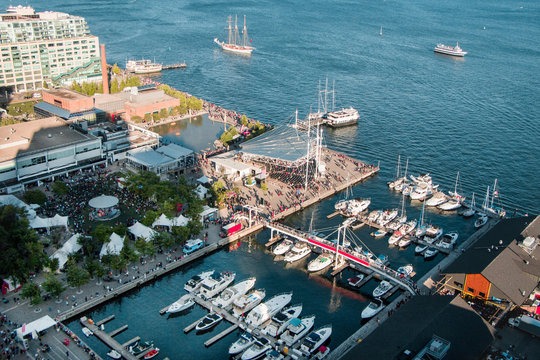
(56, 155)
(469, 289)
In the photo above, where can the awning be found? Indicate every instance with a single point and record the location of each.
(35, 327)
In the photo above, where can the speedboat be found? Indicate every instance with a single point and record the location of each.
(383, 259)
(408, 227)
(245, 341)
(382, 289)
(420, 231)
(452, 204)
(315, 339)
(379, 233)
(432, 239)
(372, 309)
(273, 355)
(354, 281)
(448, 240)
(468, 213)
(210, 287)
(394, 239)
(194, 283)
(140, 348)
(405, 241)
(432, 230)
(320, 263)
(114, 354)
(184, 303)
(209, 321)
(397, 223)
(374, 215)
(431, 252)
(283, 247)
(86, 331)
(420, 249)
(437, 199)
(387, 216)
(247, 302)
(299, 251)
(234, 292)
(405, 270)
(264, 312)
(296, 329)
(256, 350)
(322, 352)
(152, 353)
(281, 320)
(481, 221)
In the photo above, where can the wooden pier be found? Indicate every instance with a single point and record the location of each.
(221, 335)
(332, 215)
(107, 319)
(192, 325)
(118, 331)
(272, 241)
(131, 341)
(340, 268)
(107, 339)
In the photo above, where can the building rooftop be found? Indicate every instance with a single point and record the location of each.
(67, 94)
(414, 324)
(38, 135)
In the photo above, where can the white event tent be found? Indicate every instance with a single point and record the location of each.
(70, 247)
(113, 247)
(141, 231)
(56, 220)
(35, 327)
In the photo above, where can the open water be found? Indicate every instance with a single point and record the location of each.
(478, 115)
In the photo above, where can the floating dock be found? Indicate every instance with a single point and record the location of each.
(175, 66)
(107, 339)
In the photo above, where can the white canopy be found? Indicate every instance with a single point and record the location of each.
(207, 210)
(180, 220)
(113, 247)
(204, 180)
(201, 191)
(163, 220)
(103, 202)
(35, 327)
(140, 231)
(56, 220)
(70, 247)
(15, 201)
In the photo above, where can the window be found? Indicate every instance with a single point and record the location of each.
(471, 290)
(481, 294)
(459, 285)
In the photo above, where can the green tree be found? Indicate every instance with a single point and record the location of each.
(54, 265)
(116, 70)
(115, 87)
(180, 233)
(102, 233)
(195, 227)
(155, 116)
(60, 188)
(147, 117)
(128, 254)
(163, 113)
(244, 120)
(264, 187)
(31, 290)
(20, 244)
(35, 197)
(53, 286)
(45, 85)
(77, 276)
(136, 119)
(91, 266)
(149, 217)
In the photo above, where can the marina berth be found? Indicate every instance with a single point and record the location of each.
(244, 341)
(247, 302)
(184, 303)
(283, 247)
(450, 205)
(450, 50)
(316, 339)
(433, 230)
(281, 320)
(264, 312)
(297, 329)
(151, 354)
(210, 287)
(481, 221)
(373, 308)
(356, 280)
(320, 263)
(387, 216)
(209, 321)
(140, 348)
(258, 349)
(437, 199)
(234, 292)
(448, 241)
(193, 284)
(382, 289)
(394, 239)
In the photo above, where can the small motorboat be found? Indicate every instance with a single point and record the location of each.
(354, 281)
(394, 239)
(86, 331)
(152, 353)
(184, 303)
(405, 241)
(420, 249)
(281, 320)
(448, 240)
(382, 289)
(320, 263)
(245, 341)
(113, 354)
(315, 339)
(387, 216)
(140, 347)
(210, 287)
(432, 230)
(405, 270)
(256, 350)
(232, 293)
(273, 355)
(372, 309)
(379, 234)
(283, 247)
(194, 283)
(470, 211)
(296, 329)
(481, 221)
(298, 252)
(247, 302)
(430, 253)
(209, 321)
(321, 353)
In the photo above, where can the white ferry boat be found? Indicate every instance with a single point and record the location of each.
(343, 117)
(143, 66)
(450, 50)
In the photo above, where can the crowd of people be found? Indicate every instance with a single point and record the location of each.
(9, 346)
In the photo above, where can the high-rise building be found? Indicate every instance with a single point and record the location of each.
(51, 47)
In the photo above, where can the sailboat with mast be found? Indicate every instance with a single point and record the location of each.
(471, 210)
(455, 201)
(234, 44)
(491, 209)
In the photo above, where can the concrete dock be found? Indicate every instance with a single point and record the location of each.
(108, 339)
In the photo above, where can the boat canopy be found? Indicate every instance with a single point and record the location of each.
(295, 322)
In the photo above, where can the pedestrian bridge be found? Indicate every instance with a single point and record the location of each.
(349, 254)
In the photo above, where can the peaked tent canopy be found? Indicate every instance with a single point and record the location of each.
(35, 327)
(204, 180)
(140, 231)
(15, 201)
(113, 247)
(70, 247)
(201, 191)
(180, 220)
(163, 220)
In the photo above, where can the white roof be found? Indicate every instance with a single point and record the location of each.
(37, 325)
(174, 151)
(113, 247)
(56, 220)
(162, 221)
(150, 158)
(140, 231)
(201, 191)
(230, 163)
(204, 179)
(207, 210)
(15, 201)
(181, 220)
(70, 247)
(103, 202)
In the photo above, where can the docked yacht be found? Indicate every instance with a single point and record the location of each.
(283, 247)
(184, 303)
(343, 117)
(244, 342)
(273, 355)
(320, 263)
(432, 230)
(195, 282)
(281, 320)
(387, 216)
(408, 227)
(247, 302)
(264, 312)
(432, 239)
(422, 179)
(356, 280)
(397, 223)
(210, 287)
(355, 207)
(452, 204)
(140, 347)
(431, 252)
(315, 339)
(113, 354)
(208, 321)
(382, 289)
(234, 292)
(406, 270)
(437, 199)
(394, 239)
(86, 331)
(421, 192)
(374, 215)
(372, 309)
(258, 349)
(299, 251)
(448, 241)
(481, 221)
(404, 242)
(296, 329)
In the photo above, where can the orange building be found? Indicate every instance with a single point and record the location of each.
(68, 99)
(144, 100)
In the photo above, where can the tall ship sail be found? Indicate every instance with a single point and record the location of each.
(234, 44)
(450, 50)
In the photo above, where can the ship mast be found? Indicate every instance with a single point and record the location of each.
(235, 29)
(244, 32)
(230, 29)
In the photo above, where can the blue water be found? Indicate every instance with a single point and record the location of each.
(478, 115)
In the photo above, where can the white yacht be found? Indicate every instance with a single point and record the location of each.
(283, 247)
(408, 227)
(387, 216)
(320, 263)
(86, 331)
(379, 233)
(406, 270)
(234, 292)
(372, 309)
(397, 223)
(114, 354)
(420, 192)
(404, 242)
(420, 249)
(452, 204)
(281, 320)
(209, 321)
(257, 350)
(355, 207)
(394, 239)
(430, 252)
(247, 302)
(297, 328)
(299, 251)
(264, 312)
(432, 230)
(315, 339)
(423, 179)
(195, 282)
(382, 289)
(374, 215)
(184, 303)
(343, 117)
(481, 221)
(432, 239)
(437, 199)
(210, 287)
(244, 342)
(448, 241)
